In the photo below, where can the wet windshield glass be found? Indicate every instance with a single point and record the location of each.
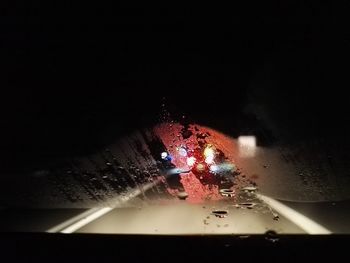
(143, 123)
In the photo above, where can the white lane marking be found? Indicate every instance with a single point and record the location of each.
(305, 223)
(87, 217)
(86, 220)
(71, 221)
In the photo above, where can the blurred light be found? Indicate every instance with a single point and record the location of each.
(164, 155)
(247, 146)
(209, 159)
(209, 154)
(182, 151)
(224, 167)
(191, 161)
(200, 167)
(214, 168)
(247, 141)
(208, 151)
(176, 171)
(173, 171)
(228, 167)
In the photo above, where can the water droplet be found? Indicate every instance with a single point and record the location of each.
(220, 213)
(182, 195)
(182, 151)
(271, 236)
(249, 189)
(247, 205)
(227, 192)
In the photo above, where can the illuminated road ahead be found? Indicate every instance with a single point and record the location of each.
(177, 217)
(132, 188)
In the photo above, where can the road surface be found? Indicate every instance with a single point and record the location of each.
(128, 188)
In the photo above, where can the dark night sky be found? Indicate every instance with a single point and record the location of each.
(74, 78)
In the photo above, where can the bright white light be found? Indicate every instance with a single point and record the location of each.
(164, 155)
(247, 141)
(209, 159)
(214, 168)
(209, 155)
(247, 146)
(208, 151)
(191, 160)
(182, 151)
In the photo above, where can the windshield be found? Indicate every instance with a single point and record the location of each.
(143, 123)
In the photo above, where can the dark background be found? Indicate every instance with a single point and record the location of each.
(76, 77)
